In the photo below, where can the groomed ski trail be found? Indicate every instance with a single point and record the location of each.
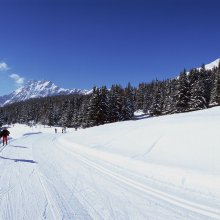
(42, 178)
(176, 201)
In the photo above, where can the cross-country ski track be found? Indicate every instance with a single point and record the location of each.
(76, 186)
(49, 176)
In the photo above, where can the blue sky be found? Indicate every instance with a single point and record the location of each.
(82, 43)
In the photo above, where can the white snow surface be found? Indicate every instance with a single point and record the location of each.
(213, 64)
(161, 168)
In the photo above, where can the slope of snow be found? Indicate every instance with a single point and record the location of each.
(212, 64)
(156, 168)
(186, 144)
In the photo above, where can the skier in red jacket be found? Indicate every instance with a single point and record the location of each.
(4, 134)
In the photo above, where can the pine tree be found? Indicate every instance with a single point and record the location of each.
(198, 100)
(128, 103)
(65, 118)
(215, 88)
(139, 96)
(98, 107)
(115, 103)
(148, 97)
(218, 84)
(213, 98)
(1, 118)
(83, 112)
(157, 103)
(182, 93)
(51, 117)
(104, 105)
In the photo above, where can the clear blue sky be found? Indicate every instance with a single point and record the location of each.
(82, 43)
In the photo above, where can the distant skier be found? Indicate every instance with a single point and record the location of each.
(55, 130)
(4, 134)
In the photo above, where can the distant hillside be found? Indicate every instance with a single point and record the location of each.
(36, 89)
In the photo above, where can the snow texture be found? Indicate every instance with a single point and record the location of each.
(153, 168)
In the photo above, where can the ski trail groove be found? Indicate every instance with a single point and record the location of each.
(177, 201)
(54, 209)
(2, 148)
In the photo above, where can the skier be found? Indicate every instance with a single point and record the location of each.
(4, 134)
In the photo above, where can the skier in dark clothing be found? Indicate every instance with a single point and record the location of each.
(4, 134)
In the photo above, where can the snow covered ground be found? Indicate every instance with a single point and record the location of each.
(162, 168)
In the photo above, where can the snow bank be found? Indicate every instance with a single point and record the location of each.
(180, 149)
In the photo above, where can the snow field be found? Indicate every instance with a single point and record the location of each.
(180, 149)
(156, 168)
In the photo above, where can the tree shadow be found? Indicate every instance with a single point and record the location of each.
(31, 133)
(18, 160)
(17, 146)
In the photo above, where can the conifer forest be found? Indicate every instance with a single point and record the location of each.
(193, 90)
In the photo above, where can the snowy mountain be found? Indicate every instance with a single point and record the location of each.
(208, 66)
(35, 89)
(211, 65)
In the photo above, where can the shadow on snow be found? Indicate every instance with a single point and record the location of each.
(31, 133)
(16, 146)
(18, 160)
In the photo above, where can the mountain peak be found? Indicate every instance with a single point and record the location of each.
(36, 89)
(213, 64)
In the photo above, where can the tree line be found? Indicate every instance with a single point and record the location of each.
(193, 90)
